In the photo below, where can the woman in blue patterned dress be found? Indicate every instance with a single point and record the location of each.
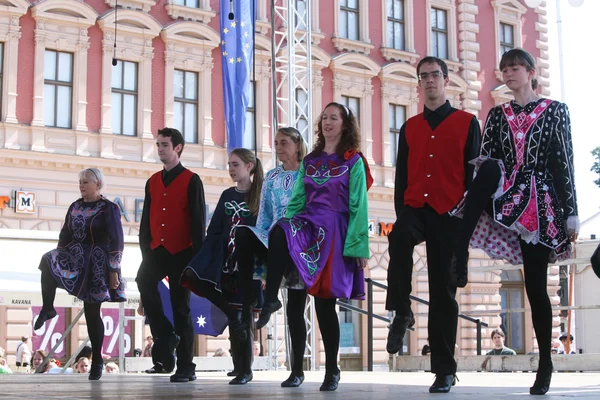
(252, 241)
(87, 262)
(323, 241)
(522, 205)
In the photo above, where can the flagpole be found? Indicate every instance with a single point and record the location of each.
(254, 78)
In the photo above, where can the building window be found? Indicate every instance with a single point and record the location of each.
(395, 24)
(397, 119)
(507, 38)
(349, 19)
(301, 113)
(1, 73)
(512, 296)
(186, 3)
(439, 33)
(353, 103)
(349, 328)
(58, 88)
(124, 98)
(185, 110)
(301, 10)
(250, 133)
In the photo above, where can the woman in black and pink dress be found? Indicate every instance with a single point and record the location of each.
(522, 205)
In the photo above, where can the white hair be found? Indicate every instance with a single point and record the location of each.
(93, 174)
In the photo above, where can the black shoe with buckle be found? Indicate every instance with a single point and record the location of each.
(182, 378)
(442, 383)
(459, 269)
(268, 308)
(330, 383)
(95, 371)
(293, 381)
(397, 331)
(241, 379)
(542, 379)
(44, 316)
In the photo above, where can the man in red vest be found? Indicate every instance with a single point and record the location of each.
(432, 173)
(171, 233)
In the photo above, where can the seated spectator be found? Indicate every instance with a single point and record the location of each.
(426, 349)
(221, 353)
(148, 348)
(85, 352)
(37, 360)
(83, 365)
(257, 348)
(4, 369)
(566, 340)
(23, 353)
(137, 352)
(499, 348)
(112, 368)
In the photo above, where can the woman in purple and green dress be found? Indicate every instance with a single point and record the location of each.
(522, 206)
(323, 241)
(87, 261)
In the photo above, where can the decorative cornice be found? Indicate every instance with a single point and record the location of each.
(349, 45)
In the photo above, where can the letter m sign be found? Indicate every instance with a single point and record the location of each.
(24, 202)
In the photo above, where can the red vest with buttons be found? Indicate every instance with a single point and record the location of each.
(436, 171)
(170, 213)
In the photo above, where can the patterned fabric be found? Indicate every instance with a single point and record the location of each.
(90, 245)
(532, 145)
(326, 225)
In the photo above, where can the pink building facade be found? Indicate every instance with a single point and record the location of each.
(65, 107)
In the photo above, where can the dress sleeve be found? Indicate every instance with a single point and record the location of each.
(297, 203)
(401, 178)
(115, 233)
(265, 211)
(357, 238)
(561, 161)
(145, 235)
(215, 228)
(490, 143)
(65, 237)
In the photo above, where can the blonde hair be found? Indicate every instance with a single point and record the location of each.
(297, 138)
(93, 174)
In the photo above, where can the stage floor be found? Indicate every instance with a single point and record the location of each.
(353, 386)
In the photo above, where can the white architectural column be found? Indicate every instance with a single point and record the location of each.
(38, 76)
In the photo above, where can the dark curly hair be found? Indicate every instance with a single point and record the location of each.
(350, 139)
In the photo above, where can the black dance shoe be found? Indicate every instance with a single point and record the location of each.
(293, 381)
(397, 331)
(442, 383)
(542, 379)
(241, 379)
(265, 314)
(233, 373)
(44, 316)
(459, 269)
(95, 372)
(182, 378)
(330, 383)
(157, 369)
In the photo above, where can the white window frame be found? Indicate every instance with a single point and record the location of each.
(139, 5)
(134, 43)
(185, 101)
(203, 13)
(122, 92)
(56, 83)
(353, 74)
(507, 12)
(363, 44)
(398, 86)
(450, 7)
(10, 32)
(409, 54)
(188, 47)
(505, 44)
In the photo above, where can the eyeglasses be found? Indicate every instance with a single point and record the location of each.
(434, 74)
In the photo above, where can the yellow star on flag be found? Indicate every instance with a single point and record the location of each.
(231, 60)
(225, 31)
(242, 24)
(245, 34)
(239, 59)
(233, 24)
(224, 53)
(223, 42)
(247, 45)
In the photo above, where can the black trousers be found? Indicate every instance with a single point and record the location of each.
(155, 266)
(414, 226)
(242, 351)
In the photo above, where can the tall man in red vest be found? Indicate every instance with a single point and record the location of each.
(171, 233)
(432, 173)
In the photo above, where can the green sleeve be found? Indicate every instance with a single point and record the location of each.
(357, 238)
(297, 203)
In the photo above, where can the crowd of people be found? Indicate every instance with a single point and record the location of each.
(303, 226)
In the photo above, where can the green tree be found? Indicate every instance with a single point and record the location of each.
(596, 167)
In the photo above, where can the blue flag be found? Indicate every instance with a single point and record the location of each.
(237, 46)
(207, 319)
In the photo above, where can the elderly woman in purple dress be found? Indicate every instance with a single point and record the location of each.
(323, 241)
(87, 261)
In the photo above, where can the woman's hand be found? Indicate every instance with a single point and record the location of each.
(361, 263)
(113, 280)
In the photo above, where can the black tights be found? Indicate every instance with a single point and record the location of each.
(278, 262)
(95, 328)
(297, 327)
(329, 326)
(247, 246)
(49, 286)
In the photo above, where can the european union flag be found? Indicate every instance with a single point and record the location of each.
(237, 46)
(207, 319)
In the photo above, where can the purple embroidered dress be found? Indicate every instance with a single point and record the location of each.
(536, 194)
(90, 245)
(326, 225)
